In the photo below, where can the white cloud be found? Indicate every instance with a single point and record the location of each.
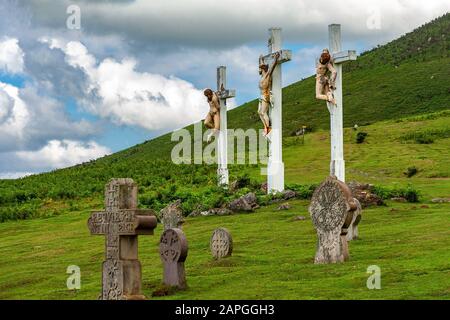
(11, 56)
(28, 120)
(206, 24)
(64, 153)
(14, 116)
(14, 175)
(129, 97)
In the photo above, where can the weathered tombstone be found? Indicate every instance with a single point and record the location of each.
(332, 208)
(353, 232)
(275, 166)
(173, 249)
(121, 223)
(221, 243)
(172, 215)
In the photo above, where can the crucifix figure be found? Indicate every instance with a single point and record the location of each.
(212, 120)
(265, 85)
(272, 97)
(325, 84)
(121, 223)
(330, 89)
(222, 143)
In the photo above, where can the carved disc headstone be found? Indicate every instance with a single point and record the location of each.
(221, 243)
(173, 249)
(331, 211)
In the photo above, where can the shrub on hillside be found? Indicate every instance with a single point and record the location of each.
(409, 193)
(411, 171)
(361, 136)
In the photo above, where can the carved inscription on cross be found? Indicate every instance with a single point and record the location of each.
(121, 223)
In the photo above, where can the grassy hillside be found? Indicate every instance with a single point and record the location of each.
(273, 257)
(390, 82)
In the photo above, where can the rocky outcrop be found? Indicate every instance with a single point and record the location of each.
(246, 203)
(363, 192)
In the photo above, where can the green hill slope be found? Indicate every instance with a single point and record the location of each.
(389, 82)
(273, 252)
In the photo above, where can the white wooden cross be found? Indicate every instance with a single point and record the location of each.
(222, 142)
(337, 164)
(275, 167)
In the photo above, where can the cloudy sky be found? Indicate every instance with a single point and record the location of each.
(136, 68)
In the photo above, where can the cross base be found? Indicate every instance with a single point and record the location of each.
(126, 281)
(275, 177)
(337, 168)
(222, 174)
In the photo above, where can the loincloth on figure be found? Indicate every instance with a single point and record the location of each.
(266, 97)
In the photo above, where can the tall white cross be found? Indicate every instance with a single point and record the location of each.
(275, 167)
(222, 142)
(337, 164)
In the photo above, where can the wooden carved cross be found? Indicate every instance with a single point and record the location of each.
(222, 144)
(337, 164)
(275, 168)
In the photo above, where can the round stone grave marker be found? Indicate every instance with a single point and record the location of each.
(221, 243)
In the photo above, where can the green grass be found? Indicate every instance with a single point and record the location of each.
(273, 257)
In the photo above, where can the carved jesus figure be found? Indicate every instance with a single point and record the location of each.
(325, 77)
(265, 85)
(212, 120)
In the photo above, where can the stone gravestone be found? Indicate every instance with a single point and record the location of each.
(221, 243)
(173, 249)
(172, 216)
(121, 223)
(353, 232)
(332, 208)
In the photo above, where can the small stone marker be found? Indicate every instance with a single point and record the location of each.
(332, 208)
(172, 215)
(121, 223)
(221, 243)
(173, 249)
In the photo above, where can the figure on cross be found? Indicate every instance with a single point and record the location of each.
(212, 120)
(265, 85)
(325, 77)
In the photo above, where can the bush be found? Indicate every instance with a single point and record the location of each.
(409, 193)
(360, 137)
(411, 171)
(304, 191)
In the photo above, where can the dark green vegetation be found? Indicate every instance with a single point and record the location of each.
(408, 76)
